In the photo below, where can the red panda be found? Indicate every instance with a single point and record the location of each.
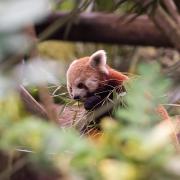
(88, 76)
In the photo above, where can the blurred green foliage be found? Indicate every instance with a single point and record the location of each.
(132, 147)
(150, 93)
(66, 5)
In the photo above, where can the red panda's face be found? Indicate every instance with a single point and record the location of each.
(85, 75)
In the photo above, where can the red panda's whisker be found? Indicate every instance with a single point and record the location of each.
(102, 92)
(53, 86)
(54, 92)
(108, 85)
(61, 94)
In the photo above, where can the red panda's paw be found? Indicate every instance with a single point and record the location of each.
(93, 102)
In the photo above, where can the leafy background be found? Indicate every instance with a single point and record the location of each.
(135, 143)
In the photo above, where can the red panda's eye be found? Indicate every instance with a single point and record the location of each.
(80, 85)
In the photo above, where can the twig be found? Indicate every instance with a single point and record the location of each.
(48, 104)
(31, 104)
(172, 9)
(168, 26)
(165, 23)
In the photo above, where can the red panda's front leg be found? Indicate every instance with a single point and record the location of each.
(104, 94)
(93, 102)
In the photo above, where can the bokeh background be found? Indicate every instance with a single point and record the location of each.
(40, 126)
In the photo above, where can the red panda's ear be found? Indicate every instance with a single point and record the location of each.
(98, 61)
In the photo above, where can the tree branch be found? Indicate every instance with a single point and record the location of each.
(165, 23)
(106, 28)
(168, 26)
(31, 104)
(172, 9)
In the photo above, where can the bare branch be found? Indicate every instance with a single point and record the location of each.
(106, 28)
(165, 23)
(31, 104)
(172, 9)
(168, 26)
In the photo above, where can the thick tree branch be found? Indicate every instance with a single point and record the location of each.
(106, 28)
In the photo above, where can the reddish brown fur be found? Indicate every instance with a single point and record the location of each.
(81, 70)
(117, 77)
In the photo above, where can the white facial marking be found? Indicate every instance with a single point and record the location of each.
(91, 84)
(79, 92)
(77, 81)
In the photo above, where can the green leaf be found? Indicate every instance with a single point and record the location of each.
(105, 5)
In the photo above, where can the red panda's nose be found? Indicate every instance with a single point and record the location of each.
(76, 97)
